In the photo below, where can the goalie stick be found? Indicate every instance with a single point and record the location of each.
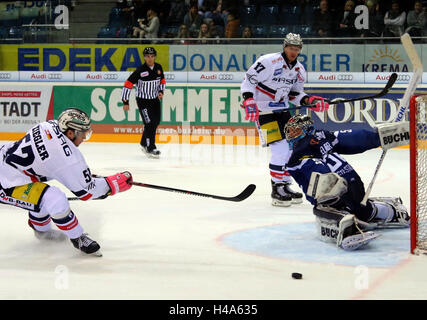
(240, 197)
(415, 79)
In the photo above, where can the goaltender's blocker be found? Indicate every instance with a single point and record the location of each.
(332, 185)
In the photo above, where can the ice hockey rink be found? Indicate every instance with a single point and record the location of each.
(161, 245)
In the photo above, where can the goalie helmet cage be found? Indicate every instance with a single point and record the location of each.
(418, 174)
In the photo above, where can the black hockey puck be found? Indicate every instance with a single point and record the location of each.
(296, 275)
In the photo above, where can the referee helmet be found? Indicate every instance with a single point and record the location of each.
(149, 50)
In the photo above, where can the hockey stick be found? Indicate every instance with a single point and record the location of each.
(415, 79)
(240, 197)
(389, 84)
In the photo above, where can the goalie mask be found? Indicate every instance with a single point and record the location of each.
(77, 120)
(297, 128)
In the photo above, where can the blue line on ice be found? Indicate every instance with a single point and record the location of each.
(298, 242)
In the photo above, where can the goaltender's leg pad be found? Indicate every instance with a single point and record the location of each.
(341, 228)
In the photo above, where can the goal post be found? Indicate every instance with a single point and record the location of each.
(418, 175)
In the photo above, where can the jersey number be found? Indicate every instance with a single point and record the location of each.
(259, 67)
(28, 155)
(334, 162)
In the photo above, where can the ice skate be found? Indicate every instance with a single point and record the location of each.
(155, 154)
(296, 196)
(87, 245)
(398, 214)
(282, 195)
(279, 197)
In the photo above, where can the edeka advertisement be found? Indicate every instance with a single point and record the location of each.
(77, 57)
(209, 113)
(22, 107)
(206, 58)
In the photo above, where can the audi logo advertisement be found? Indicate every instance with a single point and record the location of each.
(201, 77)
(46, 76)
(101, 76)
(9, 76)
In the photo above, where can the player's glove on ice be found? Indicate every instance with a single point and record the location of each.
(119, 182)
(320, 103)
(251, 109)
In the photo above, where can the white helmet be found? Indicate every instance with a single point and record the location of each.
(74, 119)
(292, 39)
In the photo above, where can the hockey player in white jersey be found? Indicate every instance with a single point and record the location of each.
(269, 85)
(49, 151)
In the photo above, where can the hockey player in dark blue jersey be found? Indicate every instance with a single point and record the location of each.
(332, 185)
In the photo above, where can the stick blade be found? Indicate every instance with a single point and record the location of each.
(245, 193)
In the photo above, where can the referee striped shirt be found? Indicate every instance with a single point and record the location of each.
(149, 82)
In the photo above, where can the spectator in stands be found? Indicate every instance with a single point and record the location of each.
(193, 20)
(345, 27)
(177, 12)
(394, 21)
(247, 32)
(233, 25)
(322, 20)
(376, 20)
(151, 28)
(204, 33)
(215, 30)
(183, 34)
(247, 35)
(416, 20)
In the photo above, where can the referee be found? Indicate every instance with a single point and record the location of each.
(150, 82)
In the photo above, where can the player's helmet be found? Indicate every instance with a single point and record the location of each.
(149, 50)
(297, 128)
(292, 39)
(74, 119)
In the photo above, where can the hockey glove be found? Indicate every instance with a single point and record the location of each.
(320, 103)
(119, 182)
(251, 109)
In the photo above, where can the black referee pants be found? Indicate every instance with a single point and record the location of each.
(150, 113)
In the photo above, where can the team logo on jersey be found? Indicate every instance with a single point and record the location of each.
(277, 72)
(144, 74)
(313, 142)
(159, 72)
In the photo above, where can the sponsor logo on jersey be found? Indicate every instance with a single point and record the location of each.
(277, 60)
(144, 74)
(278, 71)
(284, 80)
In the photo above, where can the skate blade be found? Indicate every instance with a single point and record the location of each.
(278, 203)
(96, 254)
(296, 200)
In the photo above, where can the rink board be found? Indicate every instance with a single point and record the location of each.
(191, 113)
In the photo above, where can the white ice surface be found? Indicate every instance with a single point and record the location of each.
(164, 245)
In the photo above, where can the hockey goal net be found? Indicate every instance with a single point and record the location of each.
(418, 160)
